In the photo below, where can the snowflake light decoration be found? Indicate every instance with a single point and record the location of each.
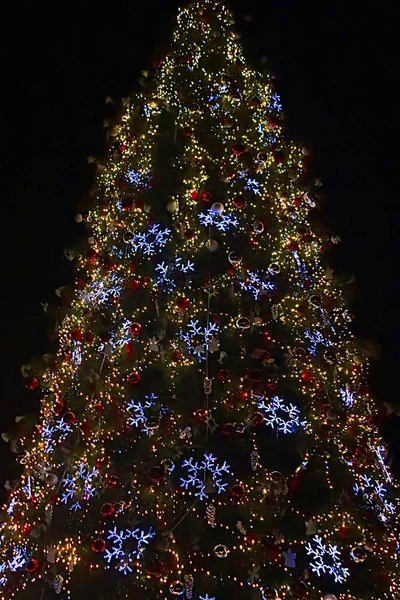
(347, 396)
(198, 339)
(82, 484)
(206, 597)
(327, 559)
(222, 222)
(139, 418)
(374, 494)
(119, 337)
(276, 104)
(257, 284)
(197, 474)
(166, 271)
(301, 267)
(281, 417)
(54, 433)
(315, 338)
(127, 545)
(76, 354)
(151, 241)
(18, 559)
(139, 178)
(101, 291)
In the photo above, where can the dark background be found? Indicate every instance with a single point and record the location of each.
(337, 72)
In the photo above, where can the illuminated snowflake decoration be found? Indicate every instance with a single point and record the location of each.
(18, 559)
(53, 434)
(347, 396)
(105, 289)
(374, 495)
(139, 178)
(222, 222)
(76, 354)
(80, 487)
(206, 597)
(139, 417)
(198, 339)
(257, 284)
(301, 267)
(315, 339)
(198, 472)
(278, 415)
(118, 338)
(127, 546)
(251, 185)
(151, 241)
(326, 560)
(276, 103)
(167, 272)
(267, 136)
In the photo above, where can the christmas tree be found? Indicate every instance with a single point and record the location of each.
(205, 425)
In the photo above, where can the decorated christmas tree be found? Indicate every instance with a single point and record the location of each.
(205, 430)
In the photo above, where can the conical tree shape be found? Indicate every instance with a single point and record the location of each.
(205, 430)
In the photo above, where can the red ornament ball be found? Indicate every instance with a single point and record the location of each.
(299, 590)
(77, 335)
(69, 418)
(224, 376)
(240, 201)
(111, 482)
(32, 566)
(187, 132)
(279, 157)
(206, 196)
(133, 378)
(135, 329)
(134, 285)
(157, 474)
(257, 419)
(98, 545)
(189, 234)
(228, 429)
(272, 383)
(238, 149)
(238, 492)
(307, 376)
(293, 246)
(107, 510)
(155, 569)
(182, 303)
(194, 196)
(176, 356)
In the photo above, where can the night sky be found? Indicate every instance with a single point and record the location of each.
(337, 71)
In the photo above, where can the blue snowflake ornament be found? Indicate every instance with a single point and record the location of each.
(222, 222)
(326, 559)
(151, 241)
(198, 339)
(197, 473)
(127, 546)
(282, 417)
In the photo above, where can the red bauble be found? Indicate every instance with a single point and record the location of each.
(187, 132)
(201, 415)
(206, 196)
(92, 255)
(224, 376)
(32, 566)
(69, 418)
(189, 234)
(194, 196)
(272, 383)
(307, 376)
(111, 482)
(257, 419)
(240, 201)
(77, 335)
(155, 569)
(299, 590)
(279, 157)
(146, 282)
(107, 510)
(176, 356)
(135, 285)
(228, 430)
(182, 303)
(238, 492)
(297, 201)
(135, 329)
(99, 408)
(157, 474)
(238, 149)
(255, 102)
(293, 246)
(33, 383)
(88, 337)
(98, 545)
(344, 533)
(133, 378)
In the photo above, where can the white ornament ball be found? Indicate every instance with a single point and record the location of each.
(212, 245)
(330, 597)
(51, 479)
(305, 151)
(78, 218)
(172, 206)
(358, 359)
(332, 414)
(218, 208)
